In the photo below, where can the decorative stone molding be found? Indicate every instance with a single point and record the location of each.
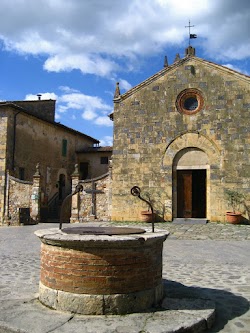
(192, 139)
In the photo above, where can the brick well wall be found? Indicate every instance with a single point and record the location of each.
(101, 271)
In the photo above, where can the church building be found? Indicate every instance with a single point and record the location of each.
(182, 136)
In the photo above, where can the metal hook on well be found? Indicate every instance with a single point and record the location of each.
(136, 192)
(79, 188)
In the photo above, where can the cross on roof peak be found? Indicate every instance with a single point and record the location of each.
(191, 36)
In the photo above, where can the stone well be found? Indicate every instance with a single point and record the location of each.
(100, 274)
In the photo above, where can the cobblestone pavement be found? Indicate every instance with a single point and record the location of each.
(208, 231)
(210, 261)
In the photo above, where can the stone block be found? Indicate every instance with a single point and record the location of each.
(48, 296)
(129, 303)
(80, 303)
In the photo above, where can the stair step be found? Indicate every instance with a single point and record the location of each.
(180, 220)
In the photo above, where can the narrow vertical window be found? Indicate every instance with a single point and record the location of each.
(104, 160)
(64, 147)
(84, 170)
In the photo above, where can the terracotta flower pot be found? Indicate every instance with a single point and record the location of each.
(233, 218)
(146, 216)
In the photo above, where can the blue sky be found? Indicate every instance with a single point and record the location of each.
(75, 51)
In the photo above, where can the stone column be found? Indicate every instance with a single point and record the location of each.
(75, 198)
(7, 188)
(36, 196)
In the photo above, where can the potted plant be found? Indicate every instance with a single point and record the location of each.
(147, 216)
(234, 199)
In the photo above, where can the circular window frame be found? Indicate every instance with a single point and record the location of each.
(186, 94)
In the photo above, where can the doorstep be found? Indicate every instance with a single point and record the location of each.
(183, 220)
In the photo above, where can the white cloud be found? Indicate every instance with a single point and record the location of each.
(89, 115)
(92, 108)
(235, 68)
(106, 141)
(80, 101)
(103, 121)
(124, 84)
(87, 64)
(57, 116)
(62, 108)
(32, 43)
(95, 36)
(44, 96)
(68, 90)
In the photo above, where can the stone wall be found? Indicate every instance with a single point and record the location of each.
(22, 200)
(18, 196)
(90, 207)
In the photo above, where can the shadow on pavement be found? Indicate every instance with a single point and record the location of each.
(228, 305)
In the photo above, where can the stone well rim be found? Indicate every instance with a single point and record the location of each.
(56, 237)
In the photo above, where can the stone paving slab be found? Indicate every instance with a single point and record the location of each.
(206, 262)
(30, 316)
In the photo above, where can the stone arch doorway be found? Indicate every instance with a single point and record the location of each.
(190, 175)
(172, 161)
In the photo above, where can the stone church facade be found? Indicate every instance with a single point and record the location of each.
(182, 136)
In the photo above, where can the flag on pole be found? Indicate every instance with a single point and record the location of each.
(193, 36)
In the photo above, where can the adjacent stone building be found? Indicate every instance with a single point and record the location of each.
(30, 135)
(93, 161)
(183, 137)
